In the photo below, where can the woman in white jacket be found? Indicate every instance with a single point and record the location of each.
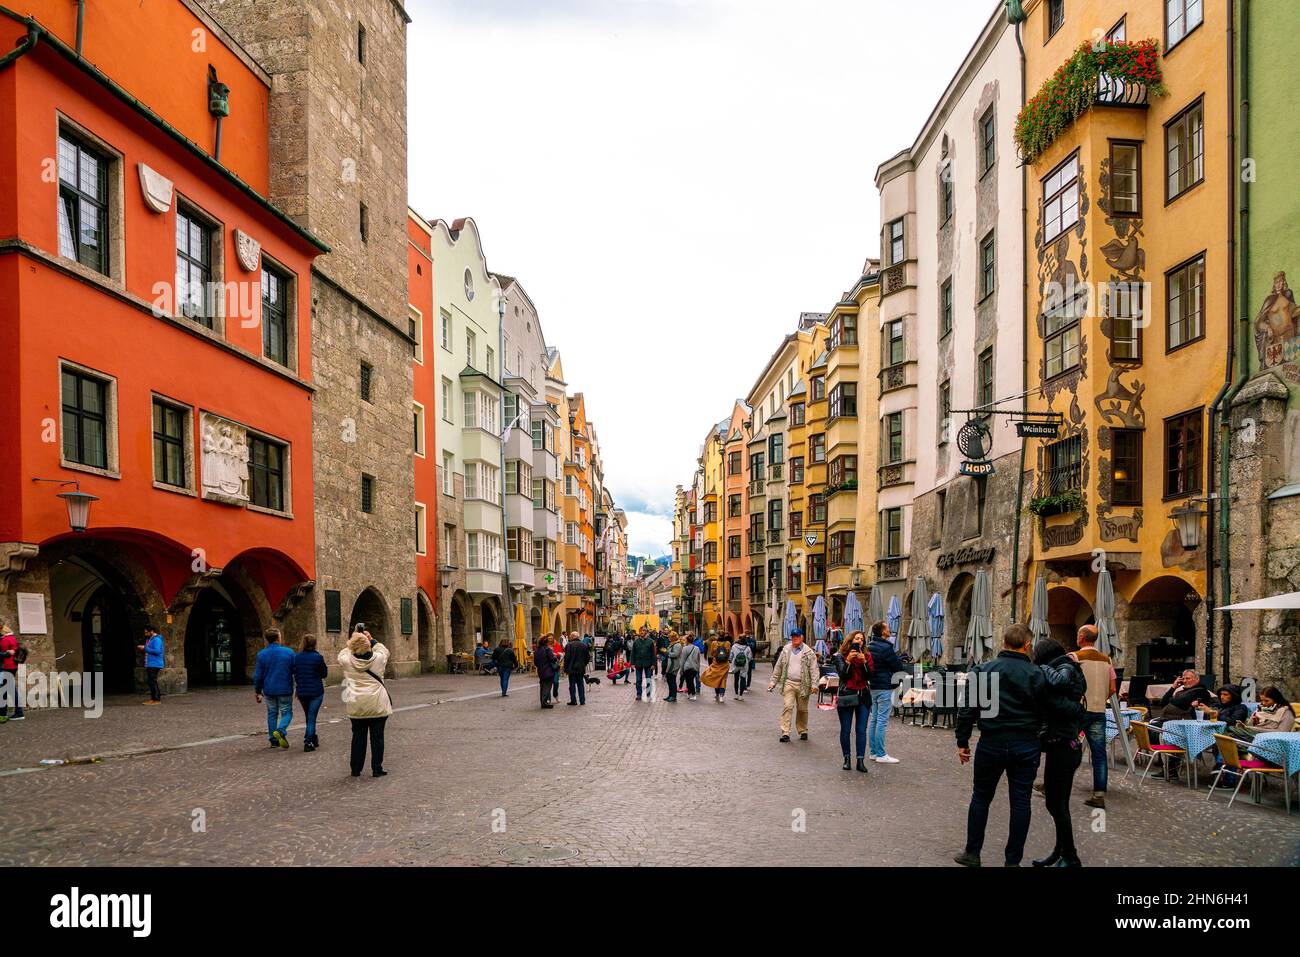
(365, 699)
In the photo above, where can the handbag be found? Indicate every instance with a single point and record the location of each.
(850, 699)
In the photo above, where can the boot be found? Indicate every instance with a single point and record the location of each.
(847, 763)
(1098, 799)
(1051, 860)
(1069, 860)
(862, 765)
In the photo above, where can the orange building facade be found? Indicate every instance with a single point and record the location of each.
(155, 309)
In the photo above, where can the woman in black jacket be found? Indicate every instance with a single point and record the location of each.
(504, 658)
(1062, 743)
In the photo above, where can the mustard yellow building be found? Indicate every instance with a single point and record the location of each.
(1128, 307)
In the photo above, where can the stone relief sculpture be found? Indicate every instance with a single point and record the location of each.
(1122, 402)
(224, 461)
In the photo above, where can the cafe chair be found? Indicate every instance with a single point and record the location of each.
(1145, 749)
(1244, 768)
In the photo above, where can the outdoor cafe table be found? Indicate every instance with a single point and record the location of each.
(1195, 737)
(1128, 714)
(1280, 747)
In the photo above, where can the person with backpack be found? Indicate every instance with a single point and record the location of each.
(1064, 714)
(504, 658)
(854, 666)
(154, 662)
(740, 659)
(366, 699)
(309, 671)
(11, 656)
(273, 679)
(719, 667)
(753, 657)
(690, 665)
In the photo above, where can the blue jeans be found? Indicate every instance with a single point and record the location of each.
(882, 702)
(311, 707)
(643, 671)
(1094, 726)
(279, 712)
(855, 718)
(1018, 760)
(578, 684)
(504, 674)
(555, 683)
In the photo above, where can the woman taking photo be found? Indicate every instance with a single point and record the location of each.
(852, 703)
(365, 699)
(1062, 743)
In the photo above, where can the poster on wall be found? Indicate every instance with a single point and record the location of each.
(31, 613)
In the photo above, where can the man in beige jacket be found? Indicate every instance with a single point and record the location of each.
(795, 673)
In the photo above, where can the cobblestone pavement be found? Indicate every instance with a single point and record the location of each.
(477, 779)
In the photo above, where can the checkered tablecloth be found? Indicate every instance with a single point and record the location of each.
(1193, 736)
(1127, 714)
(1280, 747)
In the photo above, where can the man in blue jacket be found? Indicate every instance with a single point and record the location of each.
(273, 678)
(154, 662)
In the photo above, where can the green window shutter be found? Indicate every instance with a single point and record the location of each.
(406, 616)
(333, 611)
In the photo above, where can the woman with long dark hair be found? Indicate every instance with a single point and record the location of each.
(1062, 743)
(853, 702)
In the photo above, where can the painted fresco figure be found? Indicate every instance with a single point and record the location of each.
(1277, 322)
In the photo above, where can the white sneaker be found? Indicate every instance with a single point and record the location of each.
(886, 759)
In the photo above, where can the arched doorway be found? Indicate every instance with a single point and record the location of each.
(462, 635)
(112, 624)
(1067, 612)
(424, 636)
(490, 621)
(1159, 629)
(535, 625)
(216, 640)
(956, 615)
(369, 610)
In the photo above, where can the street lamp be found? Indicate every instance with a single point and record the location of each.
(444, 575)
(78, 503)
(1187, 519)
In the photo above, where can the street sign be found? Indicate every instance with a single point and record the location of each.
(974, 440)
(1037, 430)
(977, 469)
(811, 539)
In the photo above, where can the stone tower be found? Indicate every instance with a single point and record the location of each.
(338, 166)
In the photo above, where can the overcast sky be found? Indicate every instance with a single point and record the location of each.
(673, 182)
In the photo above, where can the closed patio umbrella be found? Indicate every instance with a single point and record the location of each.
(853, 614)
(819, 622)
(1108, 642)
(894, 618)
(521, 638)
(979, 633)
(918, 629)
(1038, 611)
(935, 610)
(790, 622)
(875, 606)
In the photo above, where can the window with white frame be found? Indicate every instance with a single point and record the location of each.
(1061, 199)
(448, 473)
(417, 417)
(446, 328)
(421, 518)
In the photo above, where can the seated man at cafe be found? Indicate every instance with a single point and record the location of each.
(483, 658)
(1183, 695)
(1177, 705)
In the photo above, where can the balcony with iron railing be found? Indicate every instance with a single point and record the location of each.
(774, 535)
(776, 472)
(756, 487)
(756, 545)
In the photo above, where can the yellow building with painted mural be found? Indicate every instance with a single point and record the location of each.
(1128, 312)
(710, 509)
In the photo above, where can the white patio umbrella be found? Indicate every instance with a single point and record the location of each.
(918, 628)
(1038, 611)
(1108, 642)
(979, 632)
(1286, 602)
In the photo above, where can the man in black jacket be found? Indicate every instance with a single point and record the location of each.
(1009, 724)
(576, 657)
